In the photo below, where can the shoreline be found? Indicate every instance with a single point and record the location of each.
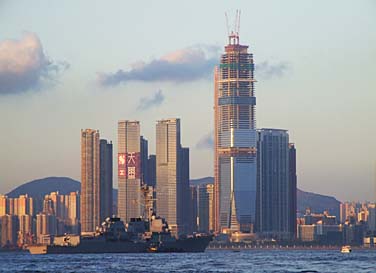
(279, 248)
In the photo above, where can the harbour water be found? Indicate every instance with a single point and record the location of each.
(210, 261)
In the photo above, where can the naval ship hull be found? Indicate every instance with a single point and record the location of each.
(196, 244)
(92, 247)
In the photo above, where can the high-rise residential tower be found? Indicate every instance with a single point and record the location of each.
(3, 205)
(129, 170)
(105, 179)
(172, 189)
(90, 180)
(10, 227)
(73, 212)
(273, 185)
(235, 139)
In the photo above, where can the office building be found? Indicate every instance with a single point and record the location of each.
(273, 186)
(235, 139)
(129, 172)
(184, 194)
(144, 154)
(205, 208)
(172, 187)
(105, 173)
(193, 212)
(372, 218)
(292, 188)
(152, 170)
(90, 180)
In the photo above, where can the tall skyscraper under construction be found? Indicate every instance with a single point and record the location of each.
(129, 170)
(235, 138)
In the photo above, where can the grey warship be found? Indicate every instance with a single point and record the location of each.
(161, 239)
(112, 237)
(137, 236)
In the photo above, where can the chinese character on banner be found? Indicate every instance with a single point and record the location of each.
(131, 172)
(131, 158)
(121, 159)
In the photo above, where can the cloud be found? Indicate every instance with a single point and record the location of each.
(206, 142)
(149, 102)
(24, 66)
(189, 64)
(266, 70)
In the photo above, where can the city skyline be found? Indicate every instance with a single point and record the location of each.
(317, 110)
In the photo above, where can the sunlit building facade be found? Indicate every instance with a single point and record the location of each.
(172, 163)
(90, 180)
(46, 226)
(73, 218)
(3, 205)
(235, 139)
(25, 232)
(129, 170)
(205, 207)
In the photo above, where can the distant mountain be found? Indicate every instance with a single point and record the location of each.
(64, 185)
(202, 181)
(317, 203)
(41, 187)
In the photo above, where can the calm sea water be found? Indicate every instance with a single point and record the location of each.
(210, 261)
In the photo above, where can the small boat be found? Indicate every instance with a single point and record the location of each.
(346, 249)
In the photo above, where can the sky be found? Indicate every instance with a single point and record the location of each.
(70, 65)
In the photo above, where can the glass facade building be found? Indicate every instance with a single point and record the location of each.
(235, 139)
(105, 179)
(274, 188)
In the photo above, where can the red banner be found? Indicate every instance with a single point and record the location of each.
(133, 165)
(129, 165)
(122, 166)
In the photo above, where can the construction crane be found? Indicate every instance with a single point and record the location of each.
(233, 33)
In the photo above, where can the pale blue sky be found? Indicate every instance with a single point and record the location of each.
(325, 97)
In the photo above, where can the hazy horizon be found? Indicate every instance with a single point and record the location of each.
(73, 65)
